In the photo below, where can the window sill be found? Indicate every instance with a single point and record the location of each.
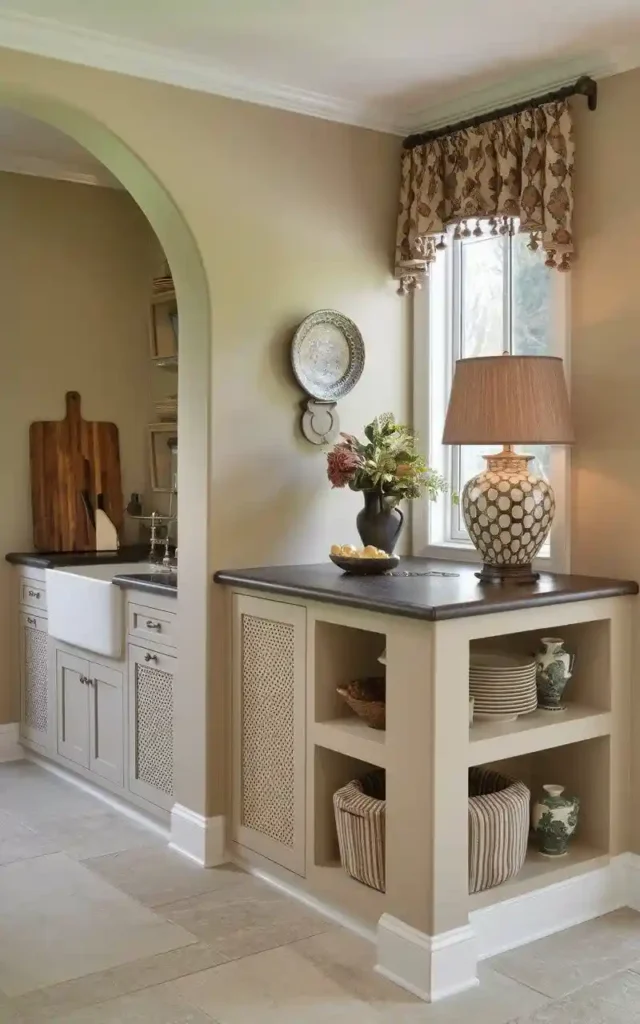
(466, 553)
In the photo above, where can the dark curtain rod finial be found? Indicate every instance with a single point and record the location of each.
(584, 86)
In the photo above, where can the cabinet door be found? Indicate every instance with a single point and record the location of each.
(106, 717)
(72, 685)
(34, 668)
(269, 642)
(151, 678)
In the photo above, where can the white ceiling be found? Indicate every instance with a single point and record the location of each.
(397, 65)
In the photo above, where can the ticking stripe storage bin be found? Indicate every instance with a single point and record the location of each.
(498, 827)
(360, 819)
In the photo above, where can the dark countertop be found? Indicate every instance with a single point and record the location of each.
(422, 597)
(59, 559)
(152, 582)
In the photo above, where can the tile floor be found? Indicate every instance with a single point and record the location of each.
(101, 924)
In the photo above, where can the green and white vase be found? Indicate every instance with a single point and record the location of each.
(554, 819)
(554, 666)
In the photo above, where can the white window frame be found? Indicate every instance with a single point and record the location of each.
(431, 521)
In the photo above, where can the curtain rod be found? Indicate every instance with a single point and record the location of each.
(584, 86)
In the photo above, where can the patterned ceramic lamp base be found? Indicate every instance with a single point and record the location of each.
(508, 512)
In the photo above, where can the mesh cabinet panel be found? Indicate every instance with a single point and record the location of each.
(267, 686)
(154, 728)
(35, 680)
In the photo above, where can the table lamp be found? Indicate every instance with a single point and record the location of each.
(508, 400)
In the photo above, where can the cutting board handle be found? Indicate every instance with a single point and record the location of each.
(74, 413)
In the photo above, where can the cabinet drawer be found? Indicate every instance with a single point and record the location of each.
(33, 594)
(152, 624)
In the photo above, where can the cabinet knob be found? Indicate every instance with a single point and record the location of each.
(150, 657)
(32, 622)
(154, 625)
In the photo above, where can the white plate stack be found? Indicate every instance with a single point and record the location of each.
(503, 686)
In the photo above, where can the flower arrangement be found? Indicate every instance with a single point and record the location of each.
(387, 462)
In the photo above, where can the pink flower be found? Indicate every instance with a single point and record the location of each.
(342, 466)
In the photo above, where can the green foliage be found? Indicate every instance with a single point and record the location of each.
(389, 462)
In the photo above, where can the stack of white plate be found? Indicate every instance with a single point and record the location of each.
(503, 686)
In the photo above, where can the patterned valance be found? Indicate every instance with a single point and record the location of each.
(518, 166)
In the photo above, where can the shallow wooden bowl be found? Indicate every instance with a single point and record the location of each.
(365, 566)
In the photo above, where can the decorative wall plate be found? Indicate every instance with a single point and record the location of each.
(327, 355)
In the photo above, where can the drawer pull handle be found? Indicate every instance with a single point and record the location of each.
(83, 679)
(35, 593)
(32, 622)
(154, 625)
(150, 657)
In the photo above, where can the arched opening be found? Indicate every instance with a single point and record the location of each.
(194, 396)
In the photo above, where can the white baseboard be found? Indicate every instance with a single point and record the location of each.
(202, 839)
(432, 967)
(10, 749)
(110, 799)
(534, 915)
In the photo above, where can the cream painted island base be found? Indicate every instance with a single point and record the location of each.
(299, 632)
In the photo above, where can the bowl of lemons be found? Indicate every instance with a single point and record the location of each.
(367, 561)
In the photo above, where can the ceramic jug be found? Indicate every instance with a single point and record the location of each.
(554, 819)
(554, 666)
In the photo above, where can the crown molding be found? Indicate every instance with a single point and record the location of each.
(47, 37)
(15, 162)
(519, 88)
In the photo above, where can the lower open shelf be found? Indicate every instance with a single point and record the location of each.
(539, 871)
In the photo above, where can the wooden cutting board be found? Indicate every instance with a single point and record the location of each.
(68, 457)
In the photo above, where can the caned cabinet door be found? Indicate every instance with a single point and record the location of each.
(269, 641)
(34, 667)
(151, 680)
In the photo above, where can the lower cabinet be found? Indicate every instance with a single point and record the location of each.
(151, 682)
(268, 712)
(90, 715)
(34, 670)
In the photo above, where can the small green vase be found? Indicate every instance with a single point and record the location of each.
(554, 818)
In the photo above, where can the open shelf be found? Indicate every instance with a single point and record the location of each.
(540, 730)
(539, 871)
(353, 737)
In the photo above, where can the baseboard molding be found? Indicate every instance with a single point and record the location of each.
(534, 915)
(199, 838)
(110, 799)
(10, 749)
(432, 967)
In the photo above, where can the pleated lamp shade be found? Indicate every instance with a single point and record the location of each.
(509, 400)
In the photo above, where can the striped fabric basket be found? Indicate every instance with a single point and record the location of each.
(360, 820)
(499, 809)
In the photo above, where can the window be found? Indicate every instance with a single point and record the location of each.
(487, 294)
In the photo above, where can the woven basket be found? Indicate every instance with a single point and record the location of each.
(360, 823)
(366, 698)
(499, 809)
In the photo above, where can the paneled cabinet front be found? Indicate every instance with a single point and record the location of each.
(90, 715)
(269, 642)
(73, 707)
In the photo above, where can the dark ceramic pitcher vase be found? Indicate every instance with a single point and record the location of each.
(379, 522)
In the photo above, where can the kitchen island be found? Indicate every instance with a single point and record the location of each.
(299, 632)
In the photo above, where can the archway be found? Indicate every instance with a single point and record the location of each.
(192, 829)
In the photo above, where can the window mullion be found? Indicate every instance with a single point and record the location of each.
(508, 290)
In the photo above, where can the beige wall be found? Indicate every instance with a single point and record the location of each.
(289, 214)
(606, 333)
(606, 348)
(74, 294)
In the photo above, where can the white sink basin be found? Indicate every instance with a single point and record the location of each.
(86, 609)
